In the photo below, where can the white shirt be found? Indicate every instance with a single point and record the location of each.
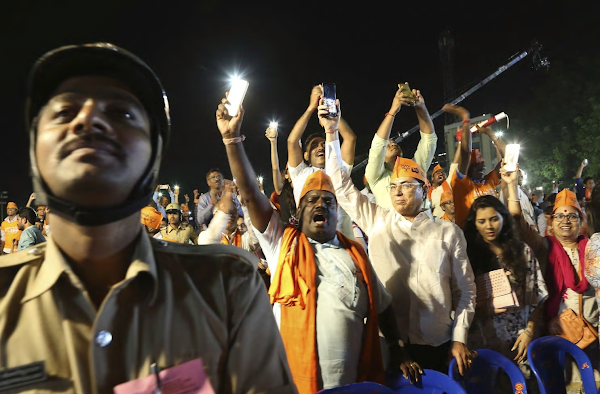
(423, 264)
(436, 194)
(217, 226)
(342, 303)
(299, 174)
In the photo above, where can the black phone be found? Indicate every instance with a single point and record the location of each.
(329, 99)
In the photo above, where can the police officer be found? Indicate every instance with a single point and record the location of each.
(101, 304)
(177, 231)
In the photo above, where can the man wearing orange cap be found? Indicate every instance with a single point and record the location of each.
(323, 285)
(421, 259)
(384, 151)
(440, 184)
(470, 181)
(447, 204)
(9, 230)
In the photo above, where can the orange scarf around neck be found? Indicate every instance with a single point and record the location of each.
(294, 287)
(237, 239)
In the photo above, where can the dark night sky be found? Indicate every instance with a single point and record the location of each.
(284, 50)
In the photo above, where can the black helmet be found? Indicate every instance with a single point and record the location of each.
(98, 59)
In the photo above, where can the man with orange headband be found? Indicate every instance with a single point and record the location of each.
(471, 181)
(421, 260)
(323, 285)
(9, 230)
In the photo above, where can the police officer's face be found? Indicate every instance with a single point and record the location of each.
(173, 217)
(93, 136)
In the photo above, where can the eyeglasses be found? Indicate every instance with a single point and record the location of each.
(215, 177)
(560, 217)
(405, 186)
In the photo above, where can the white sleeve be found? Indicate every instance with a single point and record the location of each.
(212, 235)
(349, 198)
(270, 241)
(463, 289)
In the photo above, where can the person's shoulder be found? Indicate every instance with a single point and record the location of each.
(11, 264)
(595, 239)
(205, 258)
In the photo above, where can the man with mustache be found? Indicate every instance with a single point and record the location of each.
(323, 285)
(421, 259)
(384, 151)
(101, 305)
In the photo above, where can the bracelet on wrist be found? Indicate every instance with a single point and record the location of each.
(389, 114)
(234, 140)
(466, 121)
(331, 131)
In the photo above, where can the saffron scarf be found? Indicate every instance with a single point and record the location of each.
(294, 287)
(560, 274)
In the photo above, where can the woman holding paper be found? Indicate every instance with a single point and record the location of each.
(505, 321)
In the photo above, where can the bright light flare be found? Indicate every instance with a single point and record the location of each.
(499, 134)
(274, 125)
(176, 186)
(159, 194)
(260, 179)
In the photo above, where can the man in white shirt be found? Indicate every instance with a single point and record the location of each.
(323, 285)
(383, 152)
(440, 183)
(422, 260)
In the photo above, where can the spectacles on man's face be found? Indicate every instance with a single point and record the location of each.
(404, 186)
(215, 177)
(571, 217)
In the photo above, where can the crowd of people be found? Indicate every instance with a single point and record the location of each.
(318, 285)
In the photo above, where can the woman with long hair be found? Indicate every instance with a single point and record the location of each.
(492, 245)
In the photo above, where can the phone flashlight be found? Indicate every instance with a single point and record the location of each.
(236, 95)
(273, 125)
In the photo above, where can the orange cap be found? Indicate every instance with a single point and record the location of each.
(476, 156)
(408, 168)
(151, 217)
(184, 207)
(436, 169)
(318, 180)
(566, 198)
(446, 196)
(11, 205)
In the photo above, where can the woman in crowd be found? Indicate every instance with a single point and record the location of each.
(492, 245)
(561, 257)
(592, 250)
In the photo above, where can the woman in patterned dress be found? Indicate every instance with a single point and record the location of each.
(492, 245)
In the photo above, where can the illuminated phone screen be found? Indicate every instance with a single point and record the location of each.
(511, 157)
(236, 96)
(329, 98)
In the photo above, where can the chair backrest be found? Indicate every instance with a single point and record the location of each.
(486, 364)
(431, 382)
(363, 388)
(546, 357)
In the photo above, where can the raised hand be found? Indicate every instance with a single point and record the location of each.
(326, 121)
(271, 133)
(229, 126)
(315, 96)
(456, 110)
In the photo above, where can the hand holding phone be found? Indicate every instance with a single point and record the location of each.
(405, 88)
(511, 157)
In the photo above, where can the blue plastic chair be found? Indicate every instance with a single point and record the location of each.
(363, 388)
(431, 382)
(486, 364)
(547, 360)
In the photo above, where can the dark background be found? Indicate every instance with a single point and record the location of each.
(283, 49)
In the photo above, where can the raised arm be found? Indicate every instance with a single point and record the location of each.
(428, 143)
(348, 142)
(258, 204)
(466, 144)
(375, 165)
(271, 134)
(295, 156)
(498, 143)
(31, 198)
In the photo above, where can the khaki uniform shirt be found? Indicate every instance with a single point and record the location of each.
(183, 234)
(177, 303)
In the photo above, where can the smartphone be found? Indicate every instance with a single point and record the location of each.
(405, 88)
(511, 157)
(236, 96)
(164, 187)
(329, 97)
